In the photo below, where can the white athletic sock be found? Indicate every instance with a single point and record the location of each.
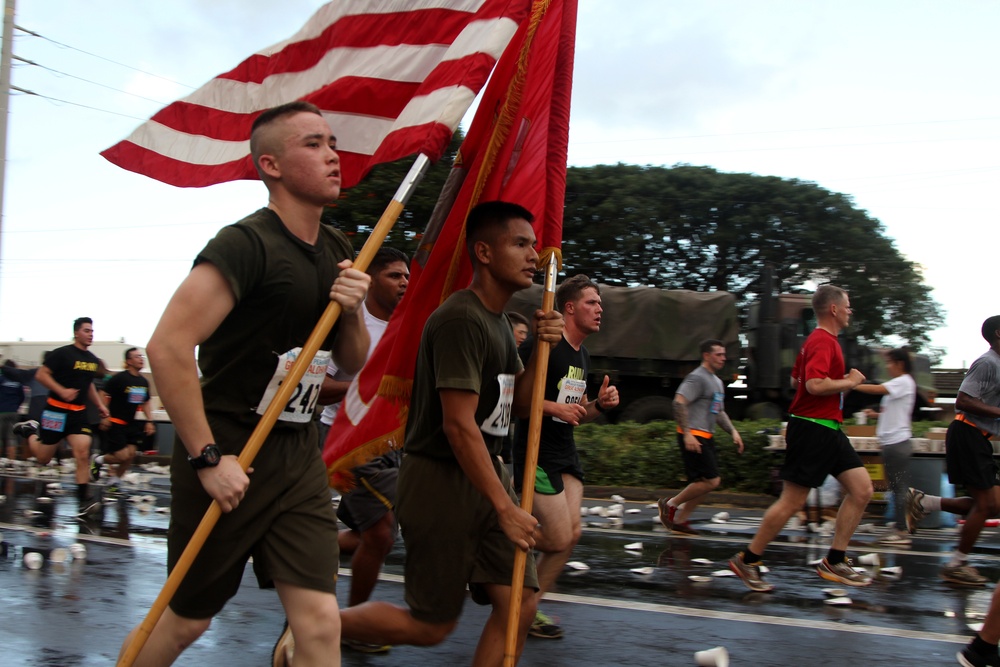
(99, 460)
(930, 503)
(958, 558)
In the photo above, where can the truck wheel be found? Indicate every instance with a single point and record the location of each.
(764, 411)
(649, 409)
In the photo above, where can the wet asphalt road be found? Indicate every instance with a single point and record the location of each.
(77, 613)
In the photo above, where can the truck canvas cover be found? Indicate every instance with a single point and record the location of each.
(653, 323)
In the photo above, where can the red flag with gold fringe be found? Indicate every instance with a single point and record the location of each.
(515, 150)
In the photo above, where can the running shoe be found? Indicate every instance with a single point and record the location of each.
(963, 575)
(914, 509)
(113, 489)
(842, 573)
(683, 528)
(25, 428)
(363, 647)
(969, 658)
(95, 468)
(895, 539)
(667, 513)
(543, 627)
(750, 574)
(89, 507)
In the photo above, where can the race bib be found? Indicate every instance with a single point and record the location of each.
(570, 391)
(718, 402)
(302, 404)
(53, 421)
(137, 395)
(498, 423)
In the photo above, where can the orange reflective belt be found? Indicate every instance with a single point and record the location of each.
(115, 420)
(697, 432)
(66, 406)
(963, 418)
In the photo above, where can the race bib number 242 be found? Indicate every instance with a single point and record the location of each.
(302, 404)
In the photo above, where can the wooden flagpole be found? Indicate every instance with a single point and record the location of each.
(530, 462)
(281, 398)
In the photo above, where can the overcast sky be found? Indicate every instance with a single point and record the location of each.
(894, 103)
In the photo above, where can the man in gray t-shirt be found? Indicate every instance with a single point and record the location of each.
(699, 404)
(969, 460)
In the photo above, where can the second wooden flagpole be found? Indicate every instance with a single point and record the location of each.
(530, 462)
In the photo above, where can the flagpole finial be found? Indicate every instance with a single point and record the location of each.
(550, 273)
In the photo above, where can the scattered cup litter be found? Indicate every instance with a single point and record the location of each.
(577, 565)
(642, 570)
(713, 657)
(634, 546)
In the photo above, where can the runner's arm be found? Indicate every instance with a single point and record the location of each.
(466, 440)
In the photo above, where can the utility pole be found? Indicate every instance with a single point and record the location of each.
(6, 51)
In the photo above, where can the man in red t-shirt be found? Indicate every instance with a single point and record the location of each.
(817, 447)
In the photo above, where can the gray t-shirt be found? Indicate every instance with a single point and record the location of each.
(983, 382)
(705, 396)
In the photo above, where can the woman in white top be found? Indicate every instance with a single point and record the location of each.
(894, 415)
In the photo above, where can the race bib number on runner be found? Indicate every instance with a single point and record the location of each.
(53, 421)
(571, 391)
(498, 423)
(302, 404)
(718, 402)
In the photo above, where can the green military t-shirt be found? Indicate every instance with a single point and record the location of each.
(282, 285)
(463, 346)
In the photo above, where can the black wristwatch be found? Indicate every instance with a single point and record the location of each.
(209, 457)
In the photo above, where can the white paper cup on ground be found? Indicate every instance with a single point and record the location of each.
(78, 551)
(634, 546)
(720, 517)
(33, 560)
(870, 559)
(59, 555)
(713, 657)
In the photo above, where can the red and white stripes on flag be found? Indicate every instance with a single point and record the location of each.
(392, 77)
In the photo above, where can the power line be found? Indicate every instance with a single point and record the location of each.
(80, 78)
(94, 55)
(32, 93)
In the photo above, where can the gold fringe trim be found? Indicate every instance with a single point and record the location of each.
(501, 131)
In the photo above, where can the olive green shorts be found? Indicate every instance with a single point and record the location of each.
(285, 522)
(453, 538)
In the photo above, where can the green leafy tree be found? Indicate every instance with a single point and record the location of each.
(697, 228)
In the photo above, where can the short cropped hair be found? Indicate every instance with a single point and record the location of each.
(488, 219)
(826, 295)
(384, 257)
(572, 289)
(80, 321)
(129, 351)
(258, 144)
(517, 318)
(990, 327)
(706, 345)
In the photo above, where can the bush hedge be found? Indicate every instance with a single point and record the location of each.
(646, 455)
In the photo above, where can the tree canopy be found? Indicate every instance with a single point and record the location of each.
(688, 227)
(696, 228)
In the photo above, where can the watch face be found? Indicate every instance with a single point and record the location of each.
(211, 454)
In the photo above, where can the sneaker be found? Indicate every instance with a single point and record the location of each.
(894, 538)
(842, 573)
(544, 628)
(26, 428)
(750, 574)
(683, 528)
(363, 647)
(914, 509)
(963, 575)
(95, 469)
(969, 658)
(89, 507)
(284, 649)
(113, 489)
(667, 513)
